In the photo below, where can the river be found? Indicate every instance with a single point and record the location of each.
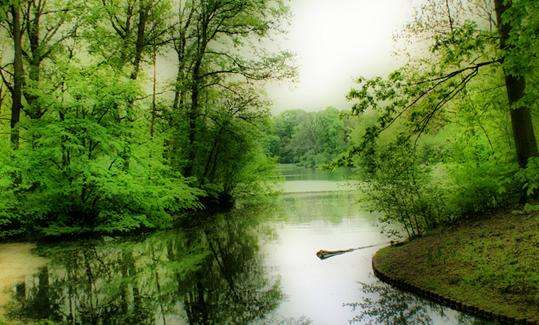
(255, 264)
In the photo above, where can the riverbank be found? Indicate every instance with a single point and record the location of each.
(120, 226)
(491, 263)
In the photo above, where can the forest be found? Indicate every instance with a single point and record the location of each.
(93, 141)
(152, 118)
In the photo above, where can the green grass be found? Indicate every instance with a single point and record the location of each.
(492, 263)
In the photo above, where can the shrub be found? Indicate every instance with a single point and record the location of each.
(401, 189)
(484, 186)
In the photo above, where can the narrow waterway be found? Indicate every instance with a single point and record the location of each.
(255, 264)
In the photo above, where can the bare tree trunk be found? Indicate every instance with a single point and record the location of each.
(194, 108)
(18, 75)
(196, 80)
(523, 133)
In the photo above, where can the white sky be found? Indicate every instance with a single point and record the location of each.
(336, 41)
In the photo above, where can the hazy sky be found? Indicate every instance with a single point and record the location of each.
(335, 41)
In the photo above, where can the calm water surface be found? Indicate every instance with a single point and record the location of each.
(252, 265)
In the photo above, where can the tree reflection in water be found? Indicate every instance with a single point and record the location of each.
(212, 274)
(385, 305)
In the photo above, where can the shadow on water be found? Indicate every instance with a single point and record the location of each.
(384, 305)
(209, 275)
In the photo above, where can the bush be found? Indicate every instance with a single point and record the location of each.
(402, 190)
(88, 196)
(484, 186)
(90, 170)
(530, 178)
(418, 196)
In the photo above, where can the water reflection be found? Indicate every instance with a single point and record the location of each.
(384, 305)
(310, 181)
(330, 207)
(255, 264)
(210, 275)
(292, 173)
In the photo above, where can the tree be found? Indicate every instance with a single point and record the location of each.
(14, 26)
(523, 133)
(218, 25)
(101, 154)
(48, 25)
(38, 28)
(442, 118)
(129, 30)
(462, 46)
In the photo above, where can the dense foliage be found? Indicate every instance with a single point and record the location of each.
(93, 139)
(453, 131)
(311, 139)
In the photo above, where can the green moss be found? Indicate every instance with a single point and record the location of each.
(492, 263)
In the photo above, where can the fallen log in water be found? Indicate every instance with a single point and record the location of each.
(323, 254)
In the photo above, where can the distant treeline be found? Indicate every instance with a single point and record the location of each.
(311, 139)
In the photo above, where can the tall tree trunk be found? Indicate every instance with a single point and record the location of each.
(192, 116)
(523, 133)
(196, 80)
(154, 94)
(34, 60)
(140, 42)
(179, 91)
(179, 98)
(18, 75)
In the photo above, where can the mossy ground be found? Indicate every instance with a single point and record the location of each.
(491, 263)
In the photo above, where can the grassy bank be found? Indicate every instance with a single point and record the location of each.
(491, 263)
